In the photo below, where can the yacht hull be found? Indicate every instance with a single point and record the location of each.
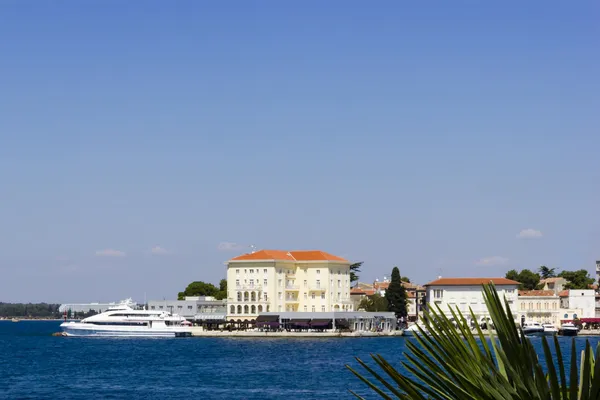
(568, 332)
(533, 332)
(76, 329)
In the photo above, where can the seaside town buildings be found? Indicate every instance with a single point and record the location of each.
(287, 281)
(466, 293)
(414, 293)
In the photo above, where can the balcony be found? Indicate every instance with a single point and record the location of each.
(292, 300)
(292, 287)
(317, 288)
(291, 275)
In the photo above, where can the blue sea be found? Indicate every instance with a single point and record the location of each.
(36, 365)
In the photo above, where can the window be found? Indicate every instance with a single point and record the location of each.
(280, 282)
(322, 308)
(279, 295)
(339, 272)
(318, 271)
(339, 283)
(245, 271)
(239, 297)
(179, 307)
(305, 283)
(339, 295)
(251, 283)
(265, 271)
(232, 310)
(237, 283)
(266, 299)
(152, 307)
(161, 307)
(305, 308)
(437, 293)
(318, 284)
(305, 296)
(251, 271)
(278, 308)
(265, 282)
(313, 308)
(237, 271)
(323, 296)
(312, 296)
(279, 270)
(190, 307)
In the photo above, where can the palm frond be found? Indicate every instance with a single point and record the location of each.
(457, 363)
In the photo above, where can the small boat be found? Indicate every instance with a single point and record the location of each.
(550, 330)
(533, 329)
(15, 320)
(568, 329)
(413, 330)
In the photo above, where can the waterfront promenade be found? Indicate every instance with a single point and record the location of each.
(199, 332)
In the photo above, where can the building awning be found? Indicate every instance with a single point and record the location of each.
(320, 322)
(267, 318)
(342, 323)
(272, 324)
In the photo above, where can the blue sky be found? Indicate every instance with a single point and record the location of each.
(426, 137)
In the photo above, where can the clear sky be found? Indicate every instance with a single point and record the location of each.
(389, 132)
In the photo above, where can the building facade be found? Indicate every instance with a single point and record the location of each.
(581, 299)
(466, 293)
(541, 306)
(415, 295)
(287, 281)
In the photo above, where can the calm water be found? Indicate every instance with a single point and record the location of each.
(34, 364)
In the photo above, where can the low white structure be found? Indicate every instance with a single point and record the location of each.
(582, 299)
(466, 293)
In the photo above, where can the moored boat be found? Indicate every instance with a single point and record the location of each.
(123, 321)
(413, 330)
(533, 329)
(549, 330)
(568, 329)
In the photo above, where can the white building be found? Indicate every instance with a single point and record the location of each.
(541, 306)
(582, 299)
(290, 281)
(466, 293)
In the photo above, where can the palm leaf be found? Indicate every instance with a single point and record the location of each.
(457, 363)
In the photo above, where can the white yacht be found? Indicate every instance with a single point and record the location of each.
(413, 330)
(568, 329)
(549, 329)
(533, 329)
(124, 321)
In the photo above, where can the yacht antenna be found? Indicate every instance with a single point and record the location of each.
(145, 302)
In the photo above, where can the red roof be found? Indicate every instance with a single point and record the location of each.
(563, 293)
(297, 255)
(536, 292)
(471, 281)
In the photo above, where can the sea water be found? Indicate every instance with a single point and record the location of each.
(36, 365)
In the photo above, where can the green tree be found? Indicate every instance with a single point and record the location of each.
(546, 272)
(528, 280)
(222, 293)
(579, 279)
(373, 303)
(198, 288)
(460, 364)
(396, 295)
(354, 270)
(405, 279)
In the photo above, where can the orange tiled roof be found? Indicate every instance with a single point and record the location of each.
(470, 281)
(536, 292)
(563, 293)
(298, 255)
(365, 292)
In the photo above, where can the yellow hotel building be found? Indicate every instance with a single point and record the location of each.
(292, 281)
